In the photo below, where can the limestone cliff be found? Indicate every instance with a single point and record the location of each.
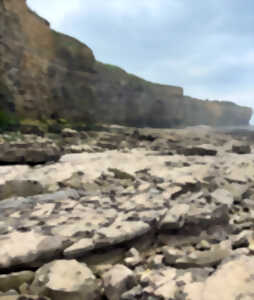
(127, 99)
(42, 73)
(45, 74)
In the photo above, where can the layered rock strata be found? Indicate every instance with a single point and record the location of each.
(42, 73)
(48, 75)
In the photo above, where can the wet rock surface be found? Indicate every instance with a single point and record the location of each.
(141, 221)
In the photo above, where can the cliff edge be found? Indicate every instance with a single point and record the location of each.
(45, 74)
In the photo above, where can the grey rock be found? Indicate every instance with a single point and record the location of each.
(201, 150)
(232, 281)
(13, 281)
(23, 188)
(221, 196)
(65, 279)
(241, 149)
(133, 258)
(197, 259)
(28, 153)
(133, 294)
(28, 248)
(79, 248)
(118, 281)
(69, 133)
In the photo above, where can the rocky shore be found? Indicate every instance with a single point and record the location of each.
(127, 214)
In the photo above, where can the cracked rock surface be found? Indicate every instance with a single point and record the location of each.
(168, 214)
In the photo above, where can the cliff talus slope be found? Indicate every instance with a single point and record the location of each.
(45, 74)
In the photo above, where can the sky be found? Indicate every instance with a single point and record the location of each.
(206, 47)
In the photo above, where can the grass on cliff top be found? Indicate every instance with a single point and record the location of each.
(132, 78)
(121, 72)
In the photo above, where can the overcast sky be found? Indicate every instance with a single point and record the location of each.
(207, 47)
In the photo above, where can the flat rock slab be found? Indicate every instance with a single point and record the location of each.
(25, 248)
(232, 281)
(201, 150)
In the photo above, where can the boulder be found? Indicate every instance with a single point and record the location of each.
(70, 136)
(241, 149)
(117, 281)
(21, 188)
(232, 281)
(65, 279)
(69, 133)
(190, 215)
(28, 153)
(221, 196)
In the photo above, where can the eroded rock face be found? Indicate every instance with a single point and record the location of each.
(136, 102)
(45, 74)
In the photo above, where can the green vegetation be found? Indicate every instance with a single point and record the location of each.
(8, 121)
(111, 67)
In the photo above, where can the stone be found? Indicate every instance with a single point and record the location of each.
(70, 136)
(132, 294)
(156, 262)
(65, 279)
(13, 281)
(120, 174)
(79, 248)
(232, 281)
(221, 196)
(197, 259)
(159, 283)
(203, 245)
(117, 233)
(133, 258)
(174, 219)
(21, 188)
(28, 153)
(172, 254)
(69, 133)
(200, 150)
(241, 149)
(27, 248)
(118, 281)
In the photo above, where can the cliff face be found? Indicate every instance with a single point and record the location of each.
(44, 74)
(127, 99)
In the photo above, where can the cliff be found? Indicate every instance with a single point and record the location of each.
(42, 73)
(45, 74)
(127, 99)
